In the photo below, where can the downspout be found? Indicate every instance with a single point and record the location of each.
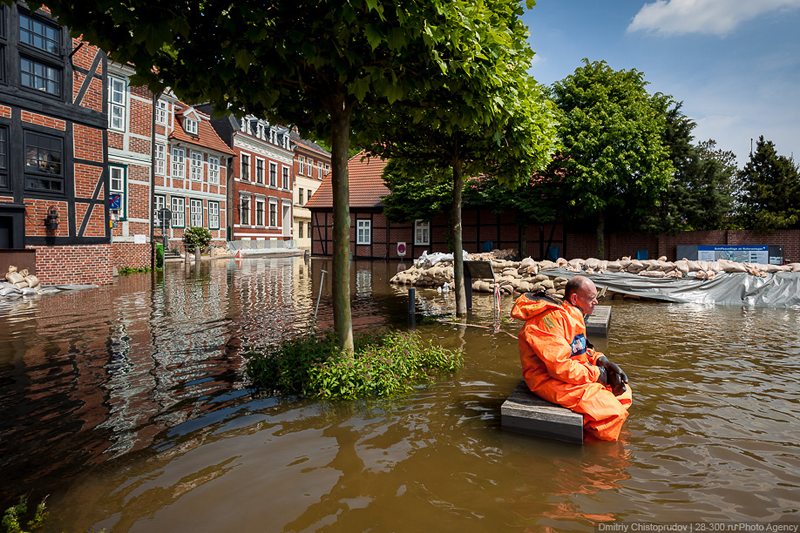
(156, 96)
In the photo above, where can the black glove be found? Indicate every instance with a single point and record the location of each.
(616, 376)
(616, 383)
(603, 378)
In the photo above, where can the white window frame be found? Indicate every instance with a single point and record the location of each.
(301, 168)
(213, 215)
(159, 203)
(195, 212)
(262, 204)
(363, 231)
(161, 158)
(300, 196)
(319, 169)
(117, 103)
(120, 187)
(242, 158)
(285, 181)
(260, 170)
(178, 162)
(273, 213)
(213, 169)
(242, 199)
(196, 166)
(178, 204)
(190, 125)
(162, 110)
(422, 232)
(273, 174)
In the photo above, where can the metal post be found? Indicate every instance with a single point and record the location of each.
(412, 307)
(468, 288)
(319, 296)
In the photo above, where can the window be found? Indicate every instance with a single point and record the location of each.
(259, 212)
(39, 76)
(160, 202)
(196, 169)
(309, 195)
(116, 103)
(3, 157)
(302, 166)
(161, 112)
(178, 168)
(273, 174)
(319, 169)
(285, 184)
(300, 196)
(117, 182)
(363, 231)
(43, 157)
(178, 212)
(259, 170)
(190, 125)
(196, 213)
(40, 69)
(300, 230)
(244, 210)
(40, 35)
(422, 232)
(245, 171)
(213, 170)
(213, 215)
(161, 158)
(273, 213)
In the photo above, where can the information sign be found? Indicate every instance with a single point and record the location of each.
(740, 254)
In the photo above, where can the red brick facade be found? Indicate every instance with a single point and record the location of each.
(61, 265)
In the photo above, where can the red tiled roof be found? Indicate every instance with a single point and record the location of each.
(366, 184)
(206, 136)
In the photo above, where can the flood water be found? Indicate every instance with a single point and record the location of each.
(127, 405)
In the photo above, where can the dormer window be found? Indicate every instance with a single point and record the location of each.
(190, 125)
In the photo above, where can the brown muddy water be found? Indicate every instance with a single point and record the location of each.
(127, 405)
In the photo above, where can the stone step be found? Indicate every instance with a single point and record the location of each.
(524, 412)
(599, 320)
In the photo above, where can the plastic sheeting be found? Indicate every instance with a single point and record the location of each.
(778, 290)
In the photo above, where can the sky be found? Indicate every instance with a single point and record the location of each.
(735, 64)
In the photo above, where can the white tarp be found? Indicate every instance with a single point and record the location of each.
(778, 290)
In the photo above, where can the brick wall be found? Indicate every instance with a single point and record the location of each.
(126, 254)
(85, 264)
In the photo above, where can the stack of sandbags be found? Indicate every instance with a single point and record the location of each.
(21, 279)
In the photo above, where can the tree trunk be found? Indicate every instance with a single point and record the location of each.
(601, 236)
(341, 114)
(458, 245)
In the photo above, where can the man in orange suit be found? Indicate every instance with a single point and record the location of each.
(560, 366)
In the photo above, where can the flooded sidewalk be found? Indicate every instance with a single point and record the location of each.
(127, 404)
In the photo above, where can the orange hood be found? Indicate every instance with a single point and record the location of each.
(531, 304)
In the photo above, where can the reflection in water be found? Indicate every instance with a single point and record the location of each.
(127, 404)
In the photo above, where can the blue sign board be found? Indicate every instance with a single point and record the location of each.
(114, 201)
(731, 252)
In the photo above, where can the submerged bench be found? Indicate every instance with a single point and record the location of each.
(598, 321)
(524, 412)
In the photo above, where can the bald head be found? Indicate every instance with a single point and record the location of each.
(581, 292)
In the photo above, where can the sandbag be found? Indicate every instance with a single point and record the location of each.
(32, 280)
(14, 277)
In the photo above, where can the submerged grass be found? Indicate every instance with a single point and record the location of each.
(381, 366)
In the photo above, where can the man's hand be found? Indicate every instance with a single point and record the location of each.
(616, 377)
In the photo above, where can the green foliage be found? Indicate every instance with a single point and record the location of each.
(416, 192)
(14, 518)
(159, 255)
(124, 271)
(386, 368)
(380, 366)
(616, 161)
(196, 237)
(769, 189)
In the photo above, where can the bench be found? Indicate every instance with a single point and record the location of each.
(524, 412)
(597, 323)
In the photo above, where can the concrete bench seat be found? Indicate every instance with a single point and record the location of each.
(598, 321)
(524, 412)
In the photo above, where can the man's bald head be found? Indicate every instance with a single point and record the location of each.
(581, 292)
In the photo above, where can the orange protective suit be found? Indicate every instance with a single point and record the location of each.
(558, 365)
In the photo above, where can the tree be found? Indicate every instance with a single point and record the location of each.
(312, 64)
(769, 189)
(614, 154)
(489, 118)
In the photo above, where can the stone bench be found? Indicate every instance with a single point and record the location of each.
(598, 321)
(524, 412)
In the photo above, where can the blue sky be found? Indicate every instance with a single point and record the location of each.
(735, 64)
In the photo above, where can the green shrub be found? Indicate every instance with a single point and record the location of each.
(196, 237)
(14, 517)
(381, 366)
(159, 255)
(124, 271)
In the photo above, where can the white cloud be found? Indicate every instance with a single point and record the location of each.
(717, 17)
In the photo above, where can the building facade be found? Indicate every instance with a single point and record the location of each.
(311, 164)
(262, 178)
(191, 172)
(54, 183)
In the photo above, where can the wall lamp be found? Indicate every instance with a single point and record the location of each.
(51, 220)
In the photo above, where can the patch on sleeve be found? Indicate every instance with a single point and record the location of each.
(578, 344)
(549, 322)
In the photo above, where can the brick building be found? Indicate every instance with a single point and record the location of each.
(54, 182)
(191, 174)
(262, 178)
(311, 163)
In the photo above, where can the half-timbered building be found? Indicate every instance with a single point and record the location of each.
(311, 163)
